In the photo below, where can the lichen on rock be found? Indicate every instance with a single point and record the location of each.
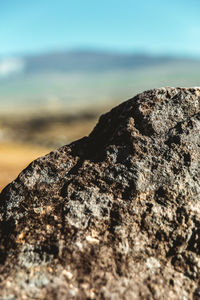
(115, 215)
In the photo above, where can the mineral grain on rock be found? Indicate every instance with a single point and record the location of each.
(115, 215)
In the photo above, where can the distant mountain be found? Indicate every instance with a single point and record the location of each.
(81, 61)
(91, 61)
(80, 78)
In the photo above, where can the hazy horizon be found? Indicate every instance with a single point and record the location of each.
(101, 50)
(55, 54)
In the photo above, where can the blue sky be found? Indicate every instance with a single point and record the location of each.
(158, 27)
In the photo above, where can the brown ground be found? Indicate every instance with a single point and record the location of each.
(15, 157)
(36, 137)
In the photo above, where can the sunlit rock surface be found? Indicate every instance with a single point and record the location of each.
(115, 215)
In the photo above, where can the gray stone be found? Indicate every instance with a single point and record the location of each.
(115, 215)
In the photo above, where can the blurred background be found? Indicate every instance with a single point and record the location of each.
(64, 62)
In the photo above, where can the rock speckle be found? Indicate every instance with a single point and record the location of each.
(115, 215)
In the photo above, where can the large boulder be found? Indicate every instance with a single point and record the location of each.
(115, 215)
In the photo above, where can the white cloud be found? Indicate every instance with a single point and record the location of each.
(9, 66)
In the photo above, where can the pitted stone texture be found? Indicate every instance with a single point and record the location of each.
(115, 215)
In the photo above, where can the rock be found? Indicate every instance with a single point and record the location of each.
(115, 215)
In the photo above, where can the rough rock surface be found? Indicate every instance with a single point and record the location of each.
(115, 215)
